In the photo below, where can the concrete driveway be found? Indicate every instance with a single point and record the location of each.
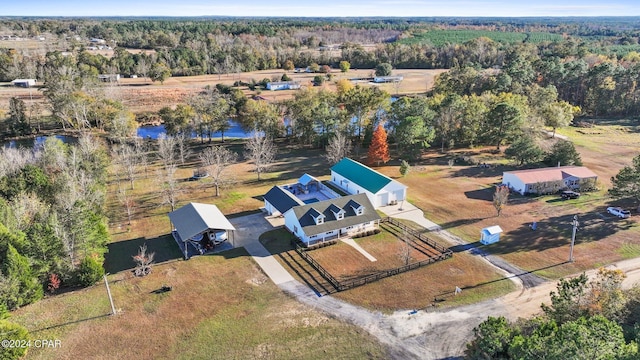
(247, 234)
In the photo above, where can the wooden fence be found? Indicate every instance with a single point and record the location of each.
(445, 253)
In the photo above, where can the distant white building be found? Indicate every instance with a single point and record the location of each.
(387, 79)
(109, 77)
(24, 82)
(283, 85)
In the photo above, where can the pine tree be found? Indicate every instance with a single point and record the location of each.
(379, 149)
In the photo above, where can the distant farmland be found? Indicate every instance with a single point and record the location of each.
(442, 37)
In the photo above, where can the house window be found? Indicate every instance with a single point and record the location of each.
(359, 211)
(313, 236)
(339, 216)
(319, 220)
(295, 229)
(349, 227)
(358, 191)
(328, 232)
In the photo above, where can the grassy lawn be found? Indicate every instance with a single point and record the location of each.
(428, 286)
(459, 199)
(221, 307)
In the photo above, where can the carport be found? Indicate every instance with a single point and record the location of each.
(192, 222)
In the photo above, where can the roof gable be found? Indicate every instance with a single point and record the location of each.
(282, 199)
(362, 175)
(532, 176)
(195, 218)
(308, 223)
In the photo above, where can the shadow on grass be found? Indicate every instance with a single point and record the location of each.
(120, 255)
(459, 222)
(243, 213)
(480, 194)
(70, 323)
(278, 243)
(475, 171)
(465, 247)
(443, 296)
(556, 232)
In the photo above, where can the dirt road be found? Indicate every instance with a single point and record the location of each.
(440, 334)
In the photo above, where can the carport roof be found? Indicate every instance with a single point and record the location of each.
(195, 218)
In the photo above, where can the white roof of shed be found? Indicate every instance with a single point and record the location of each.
(492, 230)
(195, 218)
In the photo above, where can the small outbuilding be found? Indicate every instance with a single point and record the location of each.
(283, 85)
(25, 83)
(490, 234)
(199, 225)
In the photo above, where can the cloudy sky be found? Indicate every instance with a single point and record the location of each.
(313, 8)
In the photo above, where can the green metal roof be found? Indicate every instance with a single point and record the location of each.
(362, 175)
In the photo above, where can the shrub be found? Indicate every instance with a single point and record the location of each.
(12, 332)
(89, 271)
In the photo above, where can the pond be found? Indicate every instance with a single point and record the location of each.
(37, 141)
(154, 131)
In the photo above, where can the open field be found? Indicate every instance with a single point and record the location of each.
(459, 199)
(220, 307)
(422, 288)
(141, 95)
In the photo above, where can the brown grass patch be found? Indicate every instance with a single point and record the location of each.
(214, 310)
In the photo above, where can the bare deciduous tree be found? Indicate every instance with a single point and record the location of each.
(339, 147)
(261, 150)
(182, 145)
(216, 160)
(500, 198)
(125, 198)
(169, 186)
(404, 250)
(127, 159)
(167, 150)
(143, 261)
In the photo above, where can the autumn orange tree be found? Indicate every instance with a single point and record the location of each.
(379, 149)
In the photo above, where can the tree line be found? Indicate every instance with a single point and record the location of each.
(53, 228)
(587, 319)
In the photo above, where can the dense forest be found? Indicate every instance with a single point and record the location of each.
(593, 64)
(53, 230)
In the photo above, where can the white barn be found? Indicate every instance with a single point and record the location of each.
(330, 219)
(283, 85)
(356, 178)
(24, 82)
(528, 181)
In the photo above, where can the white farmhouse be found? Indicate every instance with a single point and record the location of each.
(356, 178)
(330, 219)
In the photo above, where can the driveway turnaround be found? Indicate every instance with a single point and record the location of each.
(247, 234)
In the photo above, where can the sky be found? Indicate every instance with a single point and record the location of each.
(317, 8)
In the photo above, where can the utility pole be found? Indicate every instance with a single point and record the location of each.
(106, 283)
(575, 224)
